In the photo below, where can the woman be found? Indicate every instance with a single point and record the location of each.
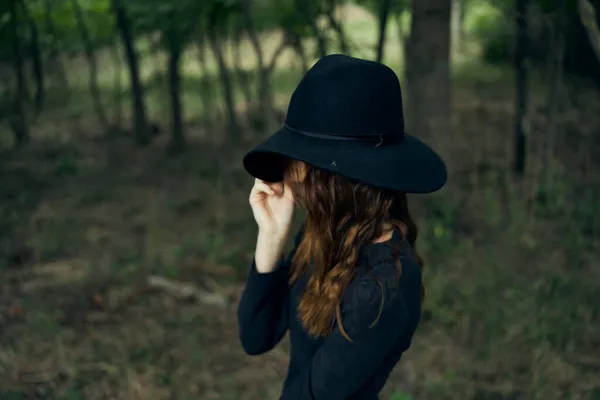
(350, 292)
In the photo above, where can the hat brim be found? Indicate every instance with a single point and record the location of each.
(409, 166)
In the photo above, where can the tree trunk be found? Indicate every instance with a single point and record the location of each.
(177, 144)
(118, 85)
(337, 26)
(18, 120)
(556, 61)
(206, 86)
(309, 16)
(456, 23)
(93, 65)
(589, 22)
(54, 54)
(36, 57)
(233, 125)
(296, 42)
(140, 120)
(428, 69)
(400, 29)
(521, 51)
(264, 75)
(242, 75)
(384, 12)
(321, 41)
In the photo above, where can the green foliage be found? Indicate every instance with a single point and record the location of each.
(374, 6)
(492, 24)
(11, 395)
(174, 21)
(489, 25)
(71, 393)
(282, 13)
(400, 396)
(548, 7)
(58, 24)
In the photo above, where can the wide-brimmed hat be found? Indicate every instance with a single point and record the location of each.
(346, 117)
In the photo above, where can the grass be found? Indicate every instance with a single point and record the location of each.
(511, 273)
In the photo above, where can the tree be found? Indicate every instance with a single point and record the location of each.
(54, 51)
(175, 23)
(427, 62)
(92, 62)
(140, 122)
(589, 21)
(265, 68)
(384, 12)
(521, 85)
(218, 17)
(18, 120)
(36, 57)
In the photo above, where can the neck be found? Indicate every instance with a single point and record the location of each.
(387, 232)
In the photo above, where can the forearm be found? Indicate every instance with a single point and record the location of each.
(269, 250)
(262, 311)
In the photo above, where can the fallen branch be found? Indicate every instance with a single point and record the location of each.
(54, 274)
(184, 290)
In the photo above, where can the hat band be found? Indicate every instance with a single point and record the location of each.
(378, 139)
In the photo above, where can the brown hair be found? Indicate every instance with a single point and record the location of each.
(341, 217)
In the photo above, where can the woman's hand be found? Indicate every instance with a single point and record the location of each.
(273, 208)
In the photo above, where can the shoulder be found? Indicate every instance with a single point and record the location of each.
(375, 297)
(395, 267)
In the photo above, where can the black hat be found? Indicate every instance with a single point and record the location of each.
(346, 117)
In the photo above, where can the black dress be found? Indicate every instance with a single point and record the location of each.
(335, 368)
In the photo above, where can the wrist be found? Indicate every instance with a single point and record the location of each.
(272, 239)
(269, 250)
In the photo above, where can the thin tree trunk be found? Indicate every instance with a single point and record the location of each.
(93, 66)
(118, 85)
(306, 10)
(54, 54)
(264, 87)
(233, 125)
(36, 57)
(206, 85)
(242, 75)
(321, 41)
(555, 59)
(18, 120)
(177, 144)
(38, 71)
(140, 120)
(589, 22)
(521, 51)
(296, 42)
(337, 27)
(455, 23)
(384, 12)
(400, 29)
(427, 63)
(555, 85)
(461, 23)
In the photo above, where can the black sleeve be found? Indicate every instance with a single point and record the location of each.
(263, 310)
(341, 367)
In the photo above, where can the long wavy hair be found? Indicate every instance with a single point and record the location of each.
(341, 217)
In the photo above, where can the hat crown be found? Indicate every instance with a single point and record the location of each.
(346, 96)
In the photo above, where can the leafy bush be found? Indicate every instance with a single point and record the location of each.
(489, 26)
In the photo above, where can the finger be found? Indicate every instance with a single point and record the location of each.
(277, 187)
(261, 187)
(288, 192)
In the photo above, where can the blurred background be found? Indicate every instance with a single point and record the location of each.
(125, 233)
